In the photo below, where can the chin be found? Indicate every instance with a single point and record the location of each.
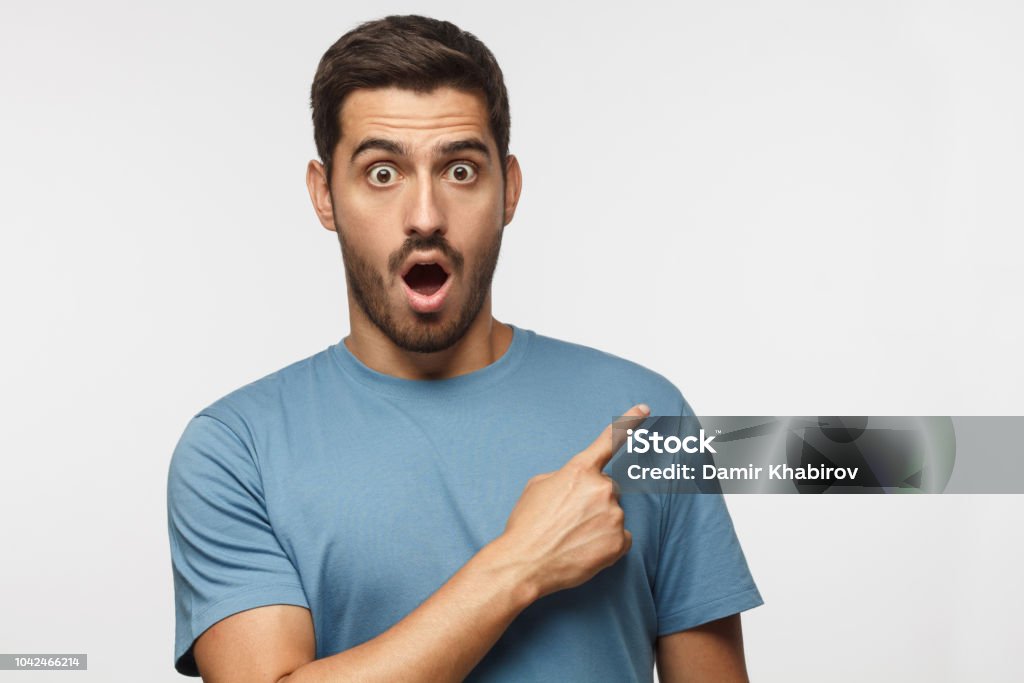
(427, 332)
(426, 338)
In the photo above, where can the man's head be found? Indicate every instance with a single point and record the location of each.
(412, 127)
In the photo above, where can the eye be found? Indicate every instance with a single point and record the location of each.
(462, 172)
(382, 175)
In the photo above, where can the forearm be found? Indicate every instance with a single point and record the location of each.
(442, 639)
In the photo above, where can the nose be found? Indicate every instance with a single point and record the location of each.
(425, 215)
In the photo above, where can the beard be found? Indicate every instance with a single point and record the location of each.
(428, 332)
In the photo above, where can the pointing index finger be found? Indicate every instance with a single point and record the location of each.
(600, 452)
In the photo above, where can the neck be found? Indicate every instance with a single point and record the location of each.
(485, 342)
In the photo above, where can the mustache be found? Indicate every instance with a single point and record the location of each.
(419, 243)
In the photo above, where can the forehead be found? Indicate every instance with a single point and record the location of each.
(398, 113)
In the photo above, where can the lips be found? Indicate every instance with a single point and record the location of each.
(426, 283)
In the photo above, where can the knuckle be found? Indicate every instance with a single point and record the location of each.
(618, 515)
(626, 544)
(574, 465)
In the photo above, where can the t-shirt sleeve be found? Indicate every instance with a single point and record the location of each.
(225, 556)
(702, 574)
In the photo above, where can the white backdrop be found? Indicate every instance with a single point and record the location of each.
(785, 208)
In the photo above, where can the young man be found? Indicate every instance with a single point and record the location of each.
(419, 502)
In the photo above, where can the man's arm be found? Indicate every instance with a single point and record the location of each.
(441, 640)
(566, 527)
(710, 652)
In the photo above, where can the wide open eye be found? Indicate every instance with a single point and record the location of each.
(382, 175)
(461, 172)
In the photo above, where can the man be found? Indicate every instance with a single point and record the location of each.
(419, 502)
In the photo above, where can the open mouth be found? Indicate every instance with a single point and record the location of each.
(426, 287)
(425, 278)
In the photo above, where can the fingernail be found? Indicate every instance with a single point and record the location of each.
(644, 408)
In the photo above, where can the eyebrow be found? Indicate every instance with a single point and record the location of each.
(441, 149)
(469, 144)
(379, 143)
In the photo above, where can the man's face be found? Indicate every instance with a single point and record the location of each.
(419, 205)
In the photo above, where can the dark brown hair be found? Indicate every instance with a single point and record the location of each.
(413, 52)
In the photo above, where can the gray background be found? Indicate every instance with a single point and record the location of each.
(787, 208)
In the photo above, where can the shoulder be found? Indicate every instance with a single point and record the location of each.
(265, 402)
(598, 370)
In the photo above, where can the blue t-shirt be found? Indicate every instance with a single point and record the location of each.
(357, 494)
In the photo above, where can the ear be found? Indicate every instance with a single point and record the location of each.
(320, 194)
(513, 186)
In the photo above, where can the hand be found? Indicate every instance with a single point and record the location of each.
(568, 525)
